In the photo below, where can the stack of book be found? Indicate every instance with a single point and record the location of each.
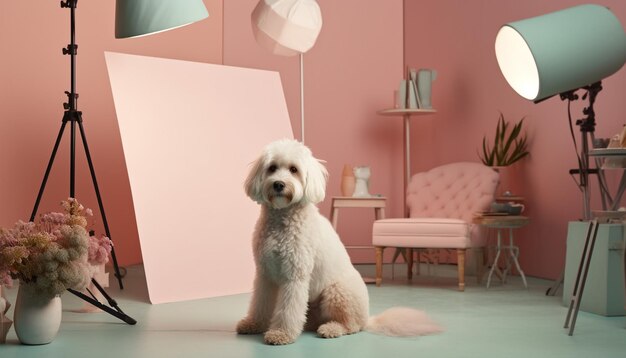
(408, 96)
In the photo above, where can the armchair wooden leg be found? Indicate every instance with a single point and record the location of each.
(409, 263)
(461, 267)
(419, 260)
(379, 264)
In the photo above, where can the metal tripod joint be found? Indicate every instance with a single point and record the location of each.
(70, 49)
(72, 98)
(69, 4)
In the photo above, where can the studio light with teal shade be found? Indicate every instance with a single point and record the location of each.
(135, 18)
(558, 54)
(560, 51)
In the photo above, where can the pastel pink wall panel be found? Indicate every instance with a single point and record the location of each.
(189, 132)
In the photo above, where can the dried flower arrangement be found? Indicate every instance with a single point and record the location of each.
(54, 253)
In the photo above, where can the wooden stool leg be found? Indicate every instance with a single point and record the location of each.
(409, 263)
(334, 217)
(461, 268)
(379, 264)
(419, 260)
(480, 264)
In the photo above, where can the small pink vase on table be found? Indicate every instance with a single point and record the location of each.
(511, 180)
(348, 181)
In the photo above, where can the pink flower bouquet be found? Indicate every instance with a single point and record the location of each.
(54, 253)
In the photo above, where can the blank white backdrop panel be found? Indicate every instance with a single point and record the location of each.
(190, 131)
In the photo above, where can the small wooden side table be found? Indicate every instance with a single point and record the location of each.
(499, 223)
(376, 202)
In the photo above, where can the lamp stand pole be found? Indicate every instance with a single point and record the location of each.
(302, 98)
(74, 118)
(587, 128)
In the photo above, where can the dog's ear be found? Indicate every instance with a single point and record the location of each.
(317, 175)
(254, 181)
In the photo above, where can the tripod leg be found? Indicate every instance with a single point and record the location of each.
(97, 189)
(113, 309)
(581, 277)
(48, 169)
(555, 286)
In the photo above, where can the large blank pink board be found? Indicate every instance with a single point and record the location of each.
(189, 132)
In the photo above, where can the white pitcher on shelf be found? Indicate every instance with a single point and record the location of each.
(425, 78)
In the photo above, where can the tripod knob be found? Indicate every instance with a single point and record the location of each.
(70, 49)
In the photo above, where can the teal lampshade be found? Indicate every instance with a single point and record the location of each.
(143, 17)
(561, 51)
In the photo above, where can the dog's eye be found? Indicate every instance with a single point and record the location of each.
(272, 168)
(293, 170)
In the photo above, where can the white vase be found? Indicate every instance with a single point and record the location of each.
(36, 320)
(362, 175)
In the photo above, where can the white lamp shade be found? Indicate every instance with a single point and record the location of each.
(135, 18)
(561, 51)
(287, 27)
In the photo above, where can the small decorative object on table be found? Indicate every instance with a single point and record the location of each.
(362, 175)
(5, 322)
(348, 181)
(48, 256)
(509, 208)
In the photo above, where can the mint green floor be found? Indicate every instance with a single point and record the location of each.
(503, 321)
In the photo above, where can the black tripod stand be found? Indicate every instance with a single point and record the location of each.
(587, 126)
(74, 117)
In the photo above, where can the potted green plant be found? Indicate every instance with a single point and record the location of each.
(509, 145)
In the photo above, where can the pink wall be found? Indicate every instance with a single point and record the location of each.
(456, 37)
(33, 76)
(350, 73)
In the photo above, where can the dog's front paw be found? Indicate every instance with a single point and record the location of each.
(331, 330)
(248, 326)
(278, 337)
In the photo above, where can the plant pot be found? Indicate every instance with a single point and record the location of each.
(511, 180)
(37, 320)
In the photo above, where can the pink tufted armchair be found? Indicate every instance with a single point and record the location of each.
(441, 203)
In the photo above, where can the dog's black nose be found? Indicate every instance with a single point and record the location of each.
(279, 186)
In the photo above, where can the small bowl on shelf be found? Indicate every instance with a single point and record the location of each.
(508, 208)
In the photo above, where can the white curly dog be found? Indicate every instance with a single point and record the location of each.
(304, 278)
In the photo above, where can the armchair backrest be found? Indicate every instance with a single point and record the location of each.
(453, 191)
